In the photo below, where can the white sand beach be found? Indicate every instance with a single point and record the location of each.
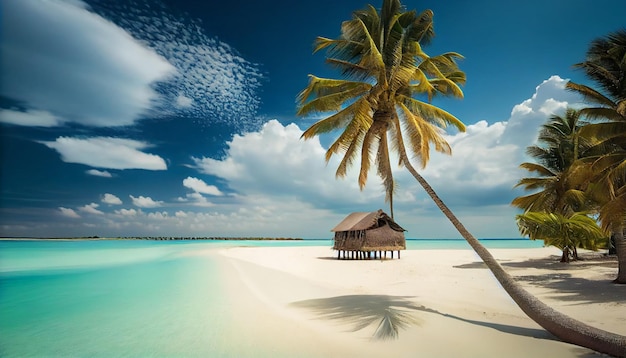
(306, 303)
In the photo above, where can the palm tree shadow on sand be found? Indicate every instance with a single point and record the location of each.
(391, 314)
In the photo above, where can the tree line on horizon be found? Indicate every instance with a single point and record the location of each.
(383, 104)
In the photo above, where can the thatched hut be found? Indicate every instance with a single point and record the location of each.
(363, 235)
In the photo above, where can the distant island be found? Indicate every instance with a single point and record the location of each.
(160, 238)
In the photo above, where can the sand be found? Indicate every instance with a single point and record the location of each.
(303, 302)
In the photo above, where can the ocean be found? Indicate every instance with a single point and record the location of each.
(129, 298)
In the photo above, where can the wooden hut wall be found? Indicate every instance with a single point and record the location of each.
(383, 238)
(349, 240)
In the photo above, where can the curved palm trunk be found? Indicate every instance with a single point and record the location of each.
(563, 327)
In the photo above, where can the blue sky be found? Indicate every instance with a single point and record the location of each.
(158, 118)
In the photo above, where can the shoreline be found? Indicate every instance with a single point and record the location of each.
(151, 238)
(429, 294)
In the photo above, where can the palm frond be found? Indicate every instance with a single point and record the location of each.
(589, 94)
(430, 113)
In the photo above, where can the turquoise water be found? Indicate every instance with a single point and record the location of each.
(128, 298)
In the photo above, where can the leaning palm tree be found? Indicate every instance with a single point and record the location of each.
(605, 65)
(377, 107)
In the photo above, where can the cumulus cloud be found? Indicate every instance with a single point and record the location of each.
(99, 173)
(111, 199)
(70, 213)
(275, 161)
(485, 160)
(32, 117)
(107, 152)
(145, 202)
(66, 63)
(526, 117)
(197, 199)
(91, 209)
(128, 212)
(199, 186)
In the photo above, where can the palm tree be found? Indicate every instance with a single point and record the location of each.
(561, 180)
(382, 57)
(380, 54)
(564, 232)
(605, 64)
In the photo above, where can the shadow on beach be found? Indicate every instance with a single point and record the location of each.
(391, 314)
(561, 280)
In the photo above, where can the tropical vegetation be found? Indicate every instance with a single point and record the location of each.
(556, 212)
(605, 65)
(385, 98)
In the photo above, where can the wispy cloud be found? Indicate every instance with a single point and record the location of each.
(212, 80)
(66, 63)
(107, 152)
(70, 213)
(99, 173)
(31, 118)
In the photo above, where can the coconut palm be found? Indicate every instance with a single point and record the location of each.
(381, 55)
(559, 146)
(376, 107)
(560, 182)
(605, 65)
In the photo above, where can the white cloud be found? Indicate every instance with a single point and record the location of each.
(60, 58)
(183, 101)
(127, 212)
(282, 187)
(276, 162)
(274, 166)
(111, 199)
(107, 152)
(99, 173)
(145, 202)
(91, 209)
(526, 118)
(35, 118)
(197, 199)
(199, 186)
(70, 213)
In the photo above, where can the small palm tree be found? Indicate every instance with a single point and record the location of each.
(380, 54)
(565, 232)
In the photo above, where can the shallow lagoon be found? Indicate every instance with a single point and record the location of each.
(130, 297)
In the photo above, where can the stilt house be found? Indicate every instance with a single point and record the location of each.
(364, 234)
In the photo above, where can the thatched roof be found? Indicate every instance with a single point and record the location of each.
(364, 221)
